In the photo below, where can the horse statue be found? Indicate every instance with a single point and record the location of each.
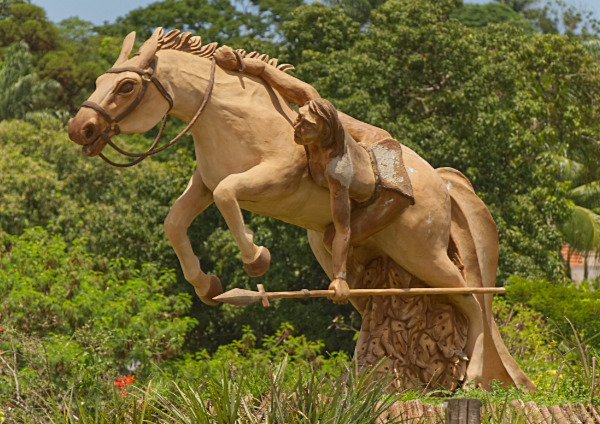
(246, 158)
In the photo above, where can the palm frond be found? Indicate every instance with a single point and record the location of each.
(568, 169)
(582, 230)
(586, 195)
(593, 47)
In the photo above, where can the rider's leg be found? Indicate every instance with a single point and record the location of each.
(194, 200)
(263, 182)
(375, 217)
(368, 220)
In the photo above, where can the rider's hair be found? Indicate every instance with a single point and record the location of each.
(333, 132)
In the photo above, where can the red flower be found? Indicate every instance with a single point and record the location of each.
(123, 382)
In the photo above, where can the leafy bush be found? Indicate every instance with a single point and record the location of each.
(247, 356)
(579, 304)
(560, 363)
(71, 319)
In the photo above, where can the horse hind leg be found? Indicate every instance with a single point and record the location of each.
(442, 272)
(428, 261)
(194, 200)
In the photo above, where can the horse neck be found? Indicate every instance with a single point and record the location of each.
(187, 77)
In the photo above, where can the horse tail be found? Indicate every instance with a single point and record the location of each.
(472, 230)
(474, 248)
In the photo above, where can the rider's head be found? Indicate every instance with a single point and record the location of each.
(318, 122)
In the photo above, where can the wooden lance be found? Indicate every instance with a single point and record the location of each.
(242, 297)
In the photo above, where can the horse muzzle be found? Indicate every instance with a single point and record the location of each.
(88, 130)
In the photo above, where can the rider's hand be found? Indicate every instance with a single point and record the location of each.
(342, 291)
(226, 58)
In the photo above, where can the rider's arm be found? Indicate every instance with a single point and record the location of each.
(340, 210)
(291, 88)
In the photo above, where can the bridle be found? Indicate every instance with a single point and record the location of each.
(148, 76)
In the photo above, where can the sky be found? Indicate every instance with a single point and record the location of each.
(99, 11)
(95, 11)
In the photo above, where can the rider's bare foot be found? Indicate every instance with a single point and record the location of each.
(342, 291)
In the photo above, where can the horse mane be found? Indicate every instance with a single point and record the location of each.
(185, 42)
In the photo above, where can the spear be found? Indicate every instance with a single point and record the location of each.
(241, 297)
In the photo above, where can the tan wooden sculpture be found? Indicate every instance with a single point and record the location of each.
(243, 128)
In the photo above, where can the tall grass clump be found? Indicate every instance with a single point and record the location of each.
(307, 397)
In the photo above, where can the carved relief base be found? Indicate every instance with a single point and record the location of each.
(422, 338)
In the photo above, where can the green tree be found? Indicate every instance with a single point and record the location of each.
(214, 20)
(79, 197)
(249, 25)
(81, 55)
(275, 12)
(120, 213)
(565, 83)
(554, 16)
(480, 15)
(69, 54)
(21, 89)
(358, 10)
(518, 5)
(77, 61)
(27, 22)
(317, 28)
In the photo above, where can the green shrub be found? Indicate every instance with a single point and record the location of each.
(580, 304)
(71, 320)
(558, 361)
(247, 356)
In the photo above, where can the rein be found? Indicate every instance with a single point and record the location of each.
(147, 76)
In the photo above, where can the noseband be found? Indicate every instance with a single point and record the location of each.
(113, 123)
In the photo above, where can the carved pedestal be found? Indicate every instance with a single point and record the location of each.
(422, 338)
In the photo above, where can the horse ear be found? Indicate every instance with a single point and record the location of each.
(126, 49)
(149, 48)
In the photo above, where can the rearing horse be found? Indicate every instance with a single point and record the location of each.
(246, 158)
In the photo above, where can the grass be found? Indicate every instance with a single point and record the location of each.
(305, 395)
(308, 397)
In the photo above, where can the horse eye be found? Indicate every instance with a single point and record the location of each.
(126, 88)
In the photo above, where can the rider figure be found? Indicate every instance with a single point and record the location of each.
(367, 181)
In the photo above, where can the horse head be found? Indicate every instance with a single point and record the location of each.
(128, 98)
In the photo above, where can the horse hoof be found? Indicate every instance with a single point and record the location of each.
(215, 289)
(260, 265)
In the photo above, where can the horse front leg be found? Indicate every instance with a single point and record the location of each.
(261, 183)
(194, 200)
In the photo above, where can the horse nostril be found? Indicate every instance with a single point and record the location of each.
(88, 131)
